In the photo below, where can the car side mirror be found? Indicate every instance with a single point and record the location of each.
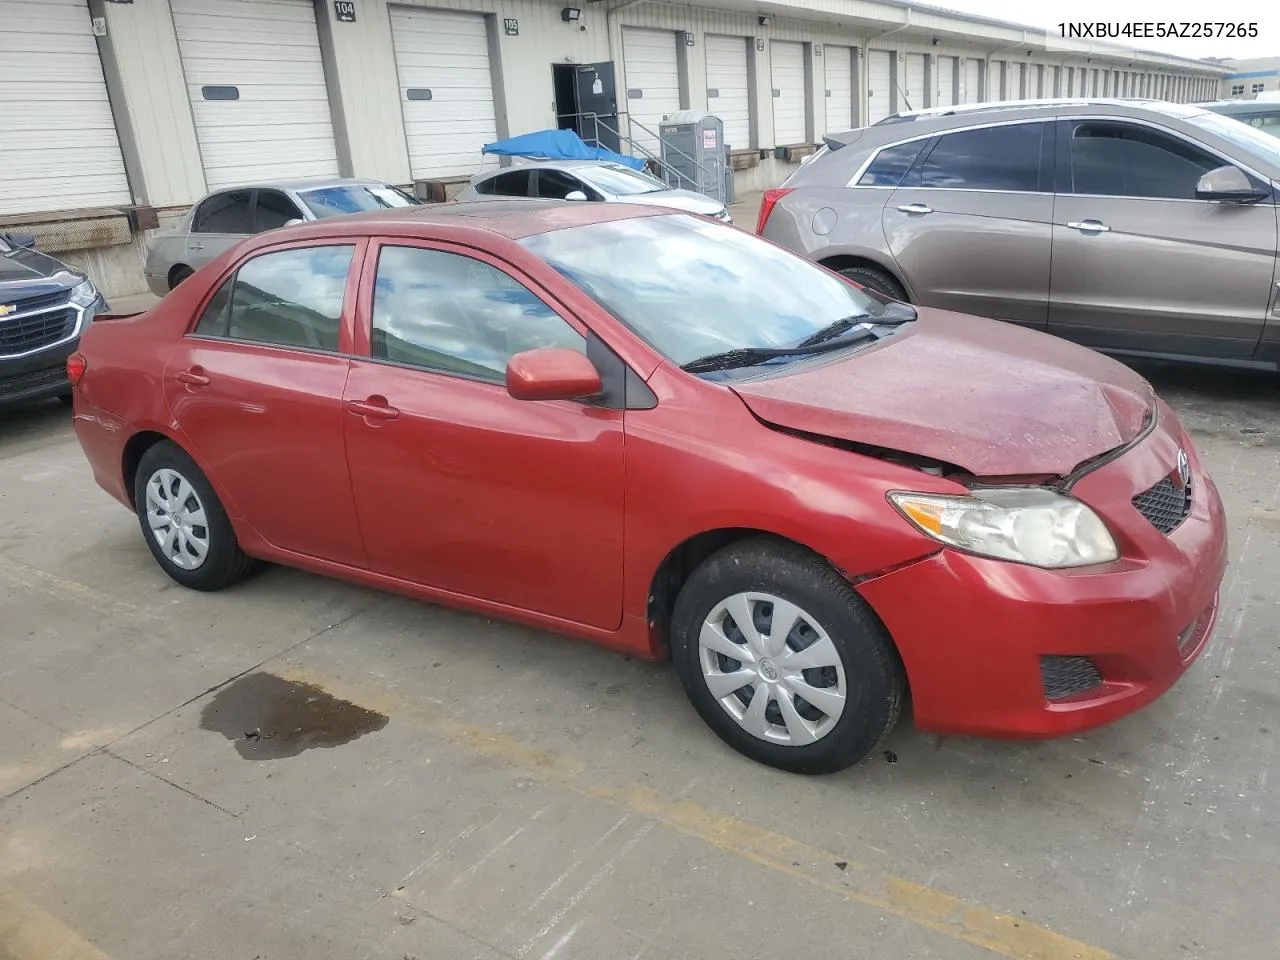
(552, 373)
(575, 195)
(1228, 184)
(293, 222)
(21, 239)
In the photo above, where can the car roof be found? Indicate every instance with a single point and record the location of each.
(511, 219)
(299, 183)
(1241, 106)
(554, 164)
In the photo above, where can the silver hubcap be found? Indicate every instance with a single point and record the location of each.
(772, 668)
(176, 517)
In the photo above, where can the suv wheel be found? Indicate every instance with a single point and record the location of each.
(876, 280)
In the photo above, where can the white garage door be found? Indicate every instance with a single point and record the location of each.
(788, 92)
(1013, 81)
(945, 89)
(839, 71)
(653, 81)
(727, 88)
(911, 90)
(256, 83)
(446, 89)
(58, 145)
(972, 81)
(879, 82)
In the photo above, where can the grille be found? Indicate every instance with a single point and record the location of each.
(12, 386)
(1165, 505)
(32, 333)
(43, 301)
(1067, 676)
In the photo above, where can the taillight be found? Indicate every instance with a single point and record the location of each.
(76, 366)
(767, 203)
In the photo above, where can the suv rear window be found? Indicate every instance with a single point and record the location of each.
(891, 164)
(993, 158)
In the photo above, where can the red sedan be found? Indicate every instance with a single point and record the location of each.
(662, 434)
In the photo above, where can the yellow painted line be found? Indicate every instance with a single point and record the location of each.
(1000, 933)
(28, 932)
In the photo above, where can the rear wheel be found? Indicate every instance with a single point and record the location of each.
(783, 660)
(178, 274)
(183, 522)
(876, 280)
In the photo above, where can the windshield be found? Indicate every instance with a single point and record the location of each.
(1248, 138)
(691, 288)
(620, 181)
(354, 198)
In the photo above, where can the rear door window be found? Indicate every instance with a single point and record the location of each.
(1005, 158)
(1110, 159)
(513, 184)
(274, 209)
(289, 298)
(225, 213)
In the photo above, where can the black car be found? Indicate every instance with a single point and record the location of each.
(44, 307)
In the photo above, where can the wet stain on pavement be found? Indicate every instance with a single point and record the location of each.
(269, 718)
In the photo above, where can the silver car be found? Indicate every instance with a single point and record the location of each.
(225, 217)
(1134, 227)
(595, 180)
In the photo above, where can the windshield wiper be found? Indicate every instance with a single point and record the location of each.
(751, 356)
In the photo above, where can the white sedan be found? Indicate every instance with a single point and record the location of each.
(598, 180)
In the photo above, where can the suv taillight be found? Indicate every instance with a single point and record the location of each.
(767, 203)
(76, 366)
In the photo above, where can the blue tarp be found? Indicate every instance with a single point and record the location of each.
(556, 145)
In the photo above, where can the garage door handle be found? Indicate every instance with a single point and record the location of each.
(194, 377)
(1089, 226)
(920, 208)
(375, 408)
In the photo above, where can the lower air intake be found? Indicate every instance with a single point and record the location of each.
(1065, 677)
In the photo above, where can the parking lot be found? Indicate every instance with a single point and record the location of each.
(301, 768)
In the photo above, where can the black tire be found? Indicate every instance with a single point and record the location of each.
(874, 678)
(224, 562)
(178, 274)
(876, 280)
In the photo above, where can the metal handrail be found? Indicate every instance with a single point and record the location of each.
(637, 148)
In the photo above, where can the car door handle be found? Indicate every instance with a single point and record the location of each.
(1089, 226)
(921, 208)
(195, 377)
(197, 246)
(375, 408)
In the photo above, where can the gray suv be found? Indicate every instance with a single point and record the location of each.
(1134, 227)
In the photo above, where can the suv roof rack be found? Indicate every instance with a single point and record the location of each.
(961, 109)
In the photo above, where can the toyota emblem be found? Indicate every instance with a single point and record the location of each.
(1184, 468)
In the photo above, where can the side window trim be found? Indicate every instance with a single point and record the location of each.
(347, 321)
(1068, 131)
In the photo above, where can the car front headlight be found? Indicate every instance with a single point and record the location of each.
(85, 294)
(1032, 525)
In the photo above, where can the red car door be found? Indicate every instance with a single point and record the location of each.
(458, 486)
(257, 388)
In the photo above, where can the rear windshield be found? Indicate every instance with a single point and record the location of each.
(354, 198)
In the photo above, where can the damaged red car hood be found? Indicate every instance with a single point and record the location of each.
(989, 397)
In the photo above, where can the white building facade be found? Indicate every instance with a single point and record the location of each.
(115, 115)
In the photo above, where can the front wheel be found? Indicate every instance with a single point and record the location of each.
(184, 523)
(783, 660)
